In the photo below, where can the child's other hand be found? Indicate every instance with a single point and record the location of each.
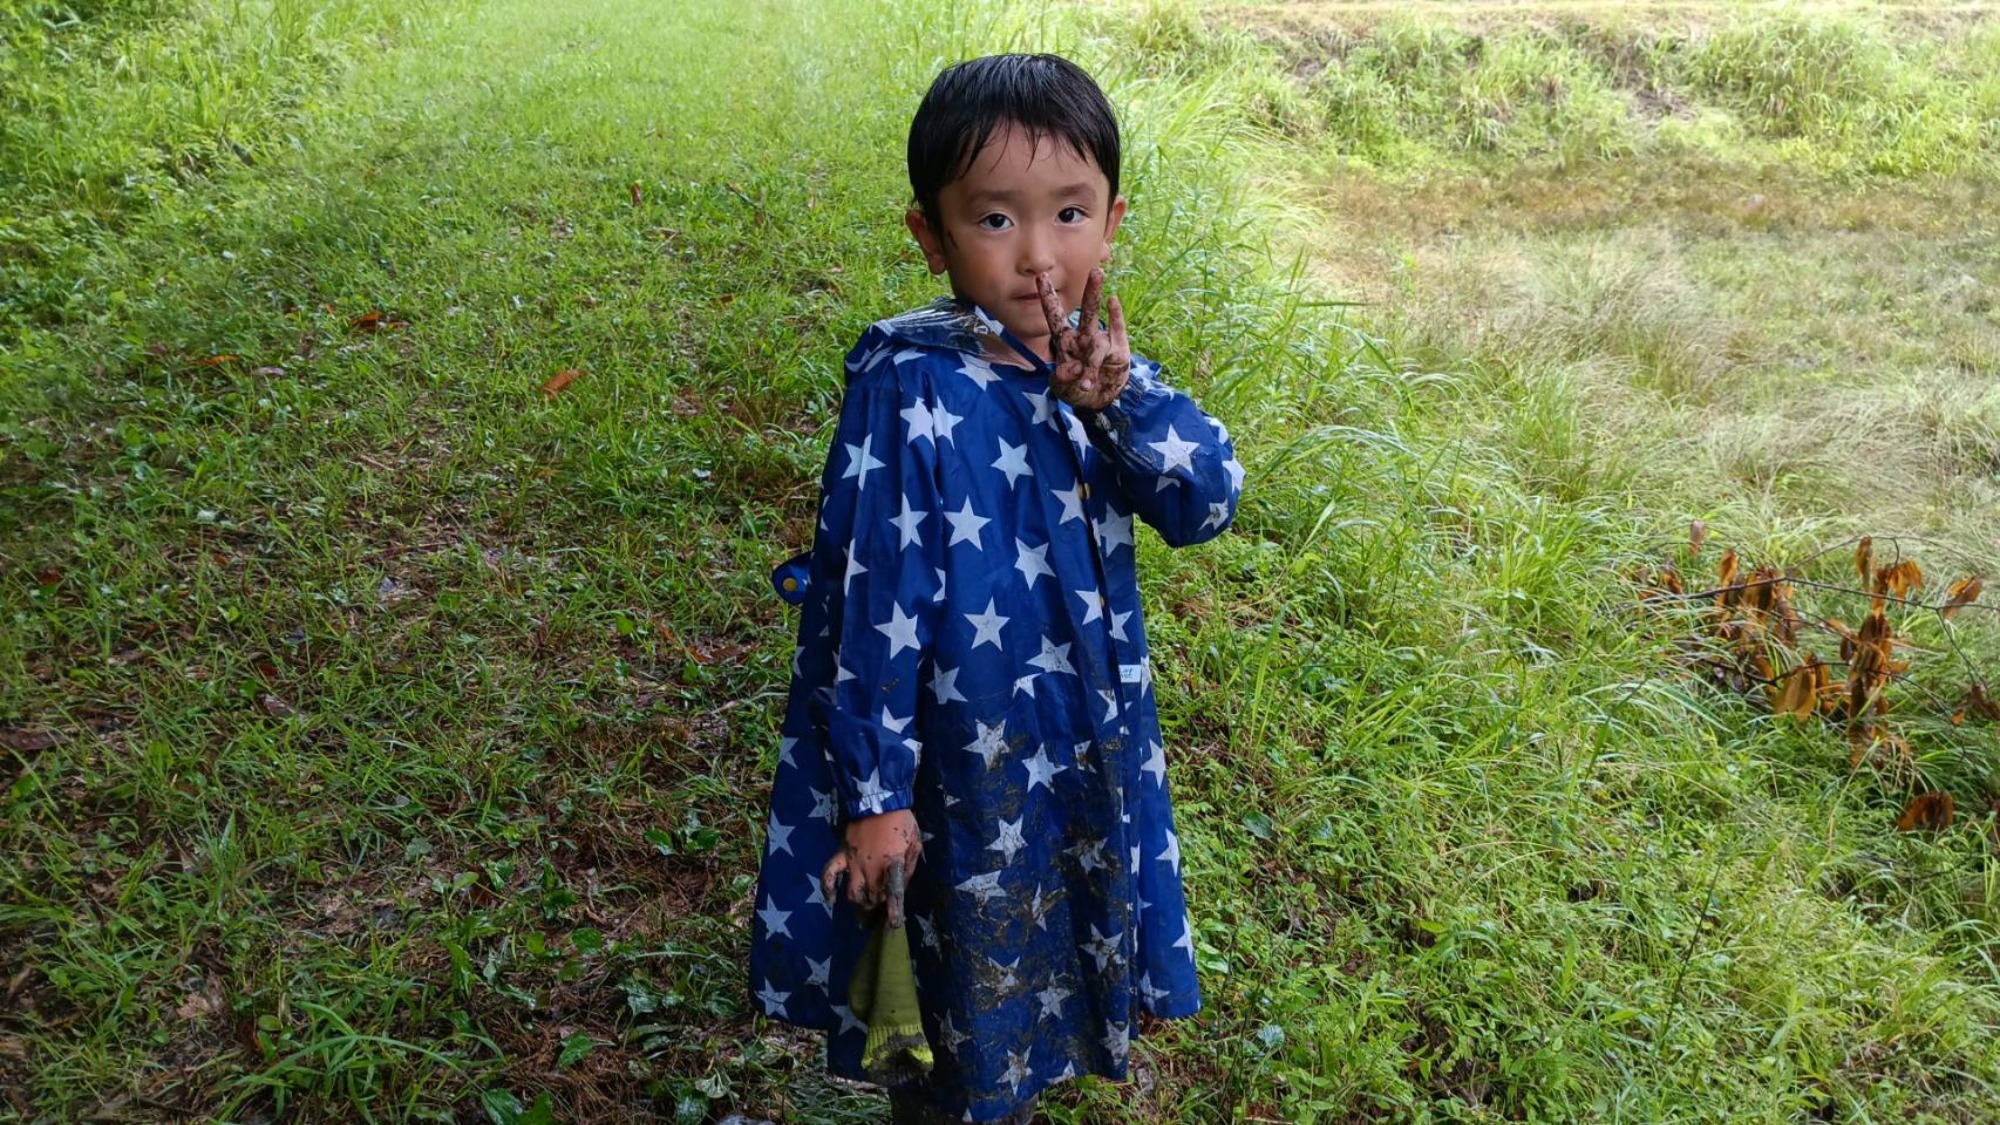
(877, 856)
(1091, 363)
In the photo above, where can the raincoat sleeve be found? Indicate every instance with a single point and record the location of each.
(876, 559)
(1174, 463)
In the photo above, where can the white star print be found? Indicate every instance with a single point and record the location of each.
(1010, 840)
(1218, 514)
(1013, 461)
(1017, 1070)
(917, 422)
(901, 629)
(939, 596)
(816, 895)
(1041, 771)
(1089, 855)
(952, 1037)
(1174, 452)
(1235, 470)
(1156, 763)
(942, 421)
(1114, 531)
(1173, 853)
(1053, 658)
(1032, 562)
(870, 360)
(1078, 436)
(979, 371)
(928, 930)
(1093, 605)
(785, 749)
(848, 1020)
(1186, 939)
(821, 971)
(1118, 1040)
(779, 836)
(1052, 998)
(774, 1001)
(909, 525)
(992, 741)
(870, 794)
(774, 918)
(1110, 705)
(1118, 625)
(854, 567)
(1024, 683)
(1007, 979)
(1040, 402)
(984, 887)
(944, 685)
(907, 354)
(1101, 946)
(823, 806)
(965, 525)
(1039, 909)
(860, 463)
(1072, 502)
(987, 626)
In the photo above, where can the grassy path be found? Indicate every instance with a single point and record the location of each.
(386, 736)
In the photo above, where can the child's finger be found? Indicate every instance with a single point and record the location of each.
(898, 883)
(1086, 321)
(860, 891)
(829, 876)
(1051, 306)
(1118, 340)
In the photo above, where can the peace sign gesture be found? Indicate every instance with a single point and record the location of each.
(1091, 364)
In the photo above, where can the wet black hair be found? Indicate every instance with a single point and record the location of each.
(968, 102)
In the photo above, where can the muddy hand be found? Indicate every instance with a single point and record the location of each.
(876, 857)
(1091, 362)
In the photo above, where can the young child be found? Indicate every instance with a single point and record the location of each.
(971, 697)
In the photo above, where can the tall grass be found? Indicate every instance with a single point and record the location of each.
(106, 108)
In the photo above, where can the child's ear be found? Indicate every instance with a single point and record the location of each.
(1111, 222)
(927, 238)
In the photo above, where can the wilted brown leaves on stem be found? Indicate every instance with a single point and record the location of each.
(1753, 638)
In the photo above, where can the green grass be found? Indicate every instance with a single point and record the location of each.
(411, 729)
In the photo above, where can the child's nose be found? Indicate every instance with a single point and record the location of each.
(1037, 255)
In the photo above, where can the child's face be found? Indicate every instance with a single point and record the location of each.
(1021, 210)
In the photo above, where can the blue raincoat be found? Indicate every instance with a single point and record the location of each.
(971, 649)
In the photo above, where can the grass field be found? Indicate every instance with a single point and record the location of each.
(384, 737)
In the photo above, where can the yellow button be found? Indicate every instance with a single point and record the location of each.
(791, 583)
(1083, 490)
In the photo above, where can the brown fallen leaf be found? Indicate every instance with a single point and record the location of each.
(1697, 535)
(21, 740)
(1864, 559)
(1931, 811)
(560, 382)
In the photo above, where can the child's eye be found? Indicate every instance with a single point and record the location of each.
(1070, 215)
(995, 221)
